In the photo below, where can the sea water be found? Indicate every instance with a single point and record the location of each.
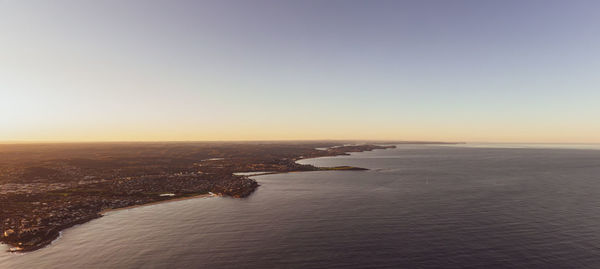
(419, 206)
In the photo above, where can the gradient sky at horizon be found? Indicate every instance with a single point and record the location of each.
(504, 71)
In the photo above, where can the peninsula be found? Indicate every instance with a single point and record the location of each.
(46, 188)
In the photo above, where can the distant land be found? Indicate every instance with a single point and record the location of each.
(46, 188)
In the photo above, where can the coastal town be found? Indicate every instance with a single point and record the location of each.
(46, 188)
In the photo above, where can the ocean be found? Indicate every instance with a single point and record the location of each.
(419, 206)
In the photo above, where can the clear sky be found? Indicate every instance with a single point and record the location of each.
(505, 71)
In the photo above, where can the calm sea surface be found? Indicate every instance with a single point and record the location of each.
(418, 207)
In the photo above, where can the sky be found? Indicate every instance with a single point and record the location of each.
(128, 70)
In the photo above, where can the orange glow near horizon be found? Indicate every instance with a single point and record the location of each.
(246, 133)
(69, 74)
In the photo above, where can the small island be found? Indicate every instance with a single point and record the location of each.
(46, 188)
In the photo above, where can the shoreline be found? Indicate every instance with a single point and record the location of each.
(204, 195)
(291, 165)
(105, 212)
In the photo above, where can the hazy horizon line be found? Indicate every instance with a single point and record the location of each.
(6, 142)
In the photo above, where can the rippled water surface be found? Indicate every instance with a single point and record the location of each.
(418, 207)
